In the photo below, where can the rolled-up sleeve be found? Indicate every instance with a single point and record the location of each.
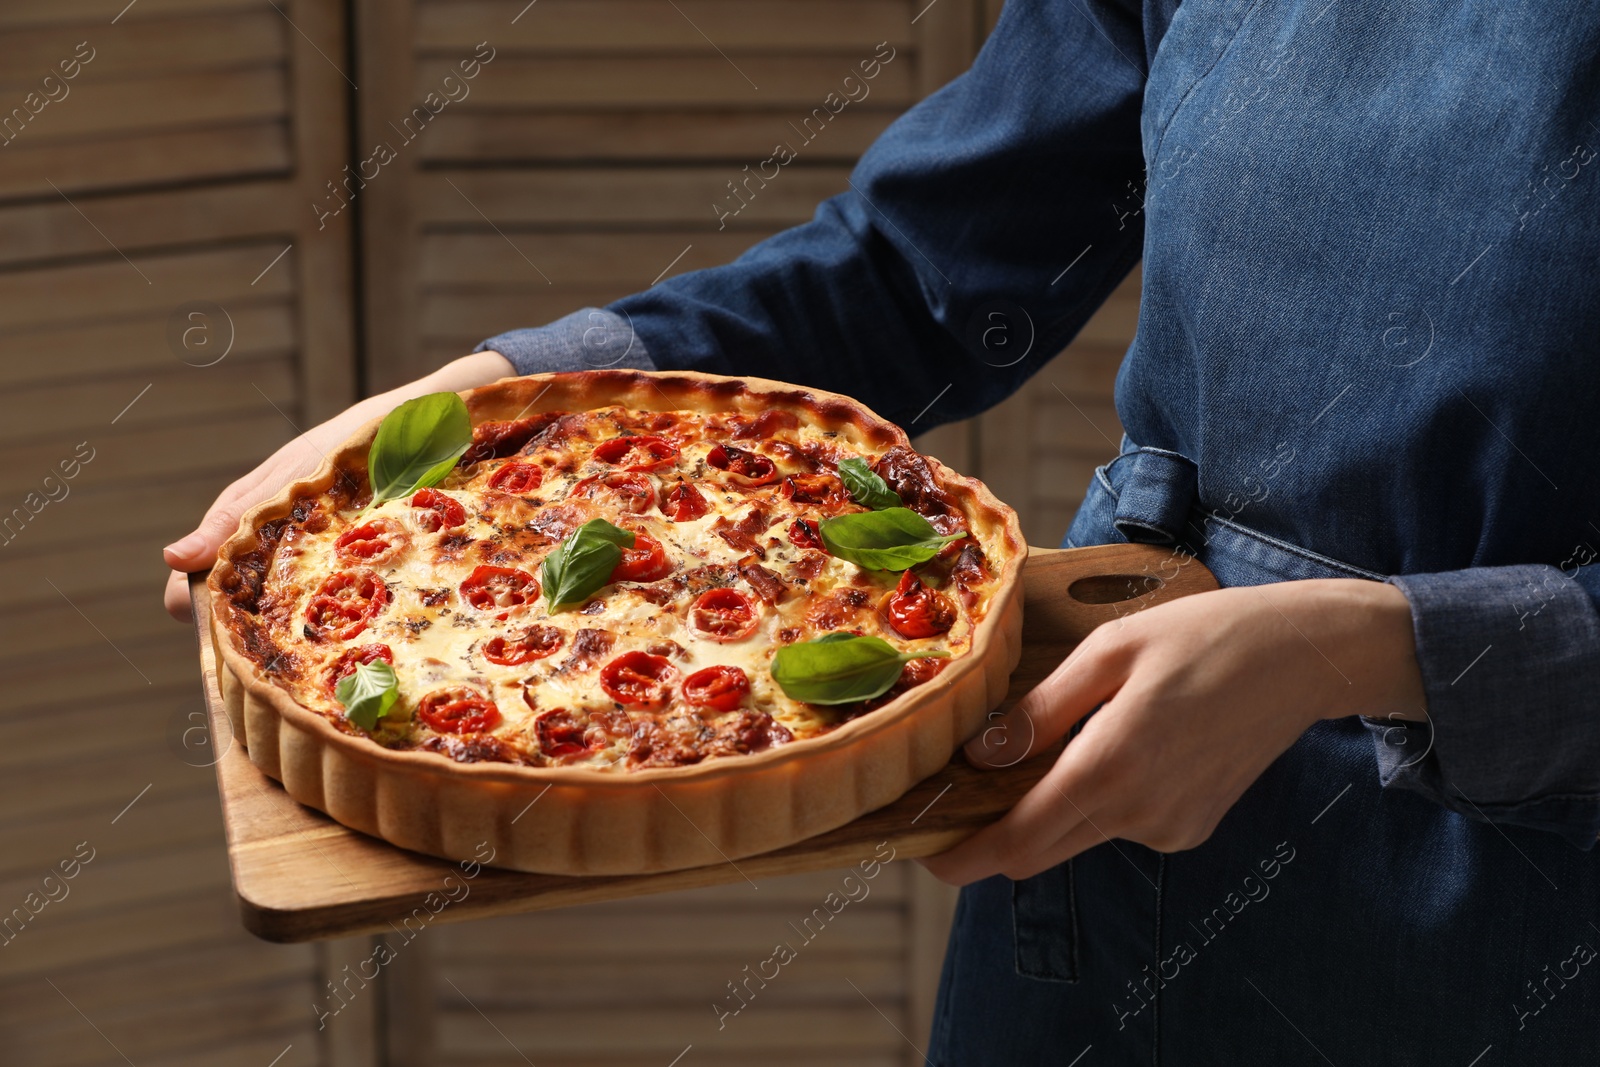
(1510, 660)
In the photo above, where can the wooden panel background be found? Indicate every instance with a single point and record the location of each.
(198, 157)
(174, 167)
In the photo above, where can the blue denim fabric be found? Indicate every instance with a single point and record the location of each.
(1366, 348)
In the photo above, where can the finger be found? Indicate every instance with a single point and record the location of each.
(1058, 805)
(176, 598)
(1087, 678)
(197, 550)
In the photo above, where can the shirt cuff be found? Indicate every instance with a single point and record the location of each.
(1510, 660)
(589, 339)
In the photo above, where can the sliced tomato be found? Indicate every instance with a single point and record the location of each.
(723, 615)
(523, 646)
(633, 491)
(517, 478)
(803, 533)
(638, 679)
(641, 452)
(683, 503)
(745, 468)
(914, 610)
(721, 687)
(370, 541)
(488, 588)
(559, 733)
(766, 424)
(345, 602)
(436, 511)
(460, 709)
(819, 488)
(646, 561)
(351, 658)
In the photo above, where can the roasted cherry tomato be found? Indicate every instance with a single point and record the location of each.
(437, 511)
(723, 615)
(638, 679)
(634, 491)
(745, 468)
(914, 610)
(522, 646)
(803, 534)
(642, 452)
(721, 687)
(644, 562)
(459, 709)
(345, 602)
(517, 478)
(819, 488)
(487, 588)
(559, 733)
(683, 503)
(920, 670)
(351, 658)
(370, 541)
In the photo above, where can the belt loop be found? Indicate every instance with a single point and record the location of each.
(1155, 491)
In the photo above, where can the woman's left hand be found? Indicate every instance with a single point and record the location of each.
(1200, 695)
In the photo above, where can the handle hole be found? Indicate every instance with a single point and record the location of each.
(1113, 588)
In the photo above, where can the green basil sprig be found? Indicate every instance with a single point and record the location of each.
(866, 488)
(582, 563)
(893, 539)
(368, 694)
(416, 445)
(840, 668)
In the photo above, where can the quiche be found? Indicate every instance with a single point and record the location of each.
(634, 621)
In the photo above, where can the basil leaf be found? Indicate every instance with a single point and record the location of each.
(840, 668)
(368, 694)
(582, 563)
(893, 539)
(866, 488)
(417, 444)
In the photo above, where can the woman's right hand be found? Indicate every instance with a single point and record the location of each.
(197, 550)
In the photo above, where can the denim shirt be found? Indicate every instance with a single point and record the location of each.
(1369, 317)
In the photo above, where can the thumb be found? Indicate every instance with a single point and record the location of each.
(1088, 677)
(197, 550)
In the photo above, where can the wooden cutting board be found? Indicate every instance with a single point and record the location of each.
(300, 876)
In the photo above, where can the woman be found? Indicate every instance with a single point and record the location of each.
(1341, 810)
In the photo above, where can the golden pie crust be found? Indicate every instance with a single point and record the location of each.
(575, 820)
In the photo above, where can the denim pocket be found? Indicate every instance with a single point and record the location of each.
(1044, 923)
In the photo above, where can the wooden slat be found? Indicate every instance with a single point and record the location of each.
(72, 411)
(818, 1030)
(215, 41)
(166, 102)
(153, 283)
(151, 157)
(152, 453)
(98, 13)
(628, 198)
(136, 345)
(1081, 426)
(645, 83)
(145, 515)
(738, 137)
(611, 26)
(692, 978)
(521, 258)
(321, 263)
(142, 221)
